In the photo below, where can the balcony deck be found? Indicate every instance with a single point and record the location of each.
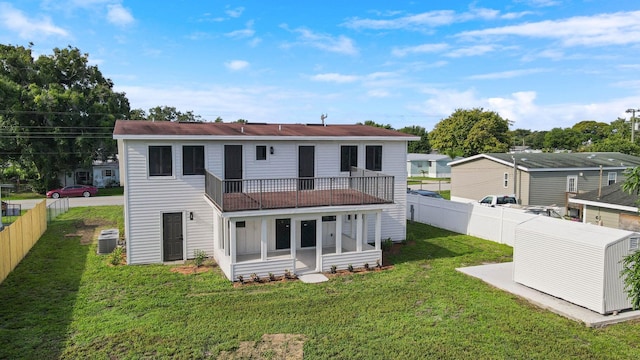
(361, 188)
(296, 199)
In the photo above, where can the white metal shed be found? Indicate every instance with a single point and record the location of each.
(577, 262)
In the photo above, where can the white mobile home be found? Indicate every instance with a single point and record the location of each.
(577, 262)
(261, 198)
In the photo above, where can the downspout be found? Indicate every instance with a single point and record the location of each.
(515, 174)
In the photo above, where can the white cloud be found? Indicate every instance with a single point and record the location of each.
(428, 20)
(506, 74)
(419, 49)
(28, 28)
(234, 13)
(335, 78)
(242, 33)
(378, 93)
(236, 65)
(471, 51)
(521, 107)
(541, 3)
(619, 28)
(118, 15)
(340, 44)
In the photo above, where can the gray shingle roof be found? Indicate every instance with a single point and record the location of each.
(612, 194)
(537, 161)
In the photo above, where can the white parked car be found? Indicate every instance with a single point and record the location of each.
(493, 200)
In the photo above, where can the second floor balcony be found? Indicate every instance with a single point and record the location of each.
(361, 187)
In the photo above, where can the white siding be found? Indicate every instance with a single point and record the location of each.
(573, 261)
(149, 197)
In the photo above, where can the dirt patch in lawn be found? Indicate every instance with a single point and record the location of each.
(190, 269)
(89, 230)
(270, 346)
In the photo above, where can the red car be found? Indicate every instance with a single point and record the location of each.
(73, 190)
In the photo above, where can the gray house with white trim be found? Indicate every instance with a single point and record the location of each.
(537, 178)
(261, 198)
(609, 206)
(430, 165)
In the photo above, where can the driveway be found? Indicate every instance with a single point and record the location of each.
(432, 185)
(75, 202)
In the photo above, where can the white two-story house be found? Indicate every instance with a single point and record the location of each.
(261, 198)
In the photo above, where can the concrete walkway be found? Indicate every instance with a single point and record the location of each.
(501, 276)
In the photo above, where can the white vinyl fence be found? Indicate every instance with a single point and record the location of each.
(491, 223)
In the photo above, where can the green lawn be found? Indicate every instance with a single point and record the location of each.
(64, 301)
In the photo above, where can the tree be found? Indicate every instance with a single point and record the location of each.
(421, 146)
(614, 144)
(59, 111)
(375, 124)
(562, 139)
(591, 131)
(170, 113)
(631, 263)
(469, 132)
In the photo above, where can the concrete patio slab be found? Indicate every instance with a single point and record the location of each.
(313, 278)
(501, 277)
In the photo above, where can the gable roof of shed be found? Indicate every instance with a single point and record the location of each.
(163, 129)
(559, 161)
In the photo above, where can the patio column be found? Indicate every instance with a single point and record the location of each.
(319, 244)
(352, 222)
(378, 229)
(339, 220)
(232, 240)
(365, 228)
(359, 233)
(225, 237)
(293, 242)
(263, 240)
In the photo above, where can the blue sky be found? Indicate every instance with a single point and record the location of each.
(539, 63)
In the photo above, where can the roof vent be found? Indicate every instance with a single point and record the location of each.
(279, 127)
(242, 129)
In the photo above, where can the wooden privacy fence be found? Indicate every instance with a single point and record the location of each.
(17, 239)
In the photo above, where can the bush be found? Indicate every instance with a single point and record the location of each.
(387, 244)
(116, 256)
(199, 257)
(631, 273)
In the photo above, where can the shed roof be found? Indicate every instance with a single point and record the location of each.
(162, 129)
(559, 161)
(576, 232)
(426, 157)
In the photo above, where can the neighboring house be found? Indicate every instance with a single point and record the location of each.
(610, 206)
(106, 173)
(262, 198)
(430, 165)
(537, 178)
(102, 174)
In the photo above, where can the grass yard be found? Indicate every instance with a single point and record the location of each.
(64, 301)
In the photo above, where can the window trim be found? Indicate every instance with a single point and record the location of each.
(171, 157)
(351, 162)
(204, 162)
(575, 183)
(266, 152)
(375, 161)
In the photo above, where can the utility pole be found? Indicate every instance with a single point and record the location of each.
(633, 122)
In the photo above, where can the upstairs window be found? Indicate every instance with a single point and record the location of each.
(348, 157)
(373, 158)
(261, 152)
(160, 162)
(572, 183)
(505, 180)
(612, 177)
(193, 160)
